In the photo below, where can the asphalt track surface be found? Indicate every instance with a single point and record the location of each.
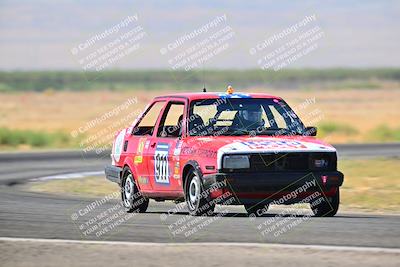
(33, 215)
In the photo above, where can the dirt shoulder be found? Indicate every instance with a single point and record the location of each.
(39, 253)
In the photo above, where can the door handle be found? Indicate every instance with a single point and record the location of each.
(153, 145)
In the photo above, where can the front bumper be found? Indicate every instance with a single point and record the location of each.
(113, 173)
(256, 185)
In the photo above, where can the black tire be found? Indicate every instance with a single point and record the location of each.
(197, 199)
(328, 207)
(257, 210)
(132, 199)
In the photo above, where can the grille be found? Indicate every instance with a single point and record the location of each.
(299, 161)
(291, 161)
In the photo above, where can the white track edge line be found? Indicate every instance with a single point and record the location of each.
(236, 244)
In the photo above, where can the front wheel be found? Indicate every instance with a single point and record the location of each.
(197, 199)
(328, 207)
(132, 199)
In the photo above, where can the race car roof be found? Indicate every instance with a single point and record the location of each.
(214, 95)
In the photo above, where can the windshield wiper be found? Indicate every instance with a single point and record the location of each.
(237, 132)
(280, 131)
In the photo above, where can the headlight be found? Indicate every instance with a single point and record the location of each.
(236, 162)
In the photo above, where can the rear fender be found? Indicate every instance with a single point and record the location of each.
(129, 162)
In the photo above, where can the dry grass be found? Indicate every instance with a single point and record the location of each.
(363, 110)
(371, 185)
(87, 187)
(62, 110)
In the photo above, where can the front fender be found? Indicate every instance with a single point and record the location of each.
(189, 165)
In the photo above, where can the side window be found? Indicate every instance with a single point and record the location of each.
(226, 118)
(264, 117)
(279, 119)
(171, 122)
(206, 112)
(148, 122)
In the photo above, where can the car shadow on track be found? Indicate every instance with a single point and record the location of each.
(245, 215)
(228, 215)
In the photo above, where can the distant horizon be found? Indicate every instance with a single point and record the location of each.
(66, 35)
(207, 69)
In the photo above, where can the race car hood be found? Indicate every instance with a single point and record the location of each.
(260, 144)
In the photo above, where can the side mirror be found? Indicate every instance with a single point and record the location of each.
(310, 131)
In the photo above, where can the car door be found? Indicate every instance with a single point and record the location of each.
(141, 136)
(164, 148)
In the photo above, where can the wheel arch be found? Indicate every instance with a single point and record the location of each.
(190, 165)
(128, 162)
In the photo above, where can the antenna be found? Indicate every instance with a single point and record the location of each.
(204, 81)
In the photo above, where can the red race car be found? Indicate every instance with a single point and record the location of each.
(203, 147)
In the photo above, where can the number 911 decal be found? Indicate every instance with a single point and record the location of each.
(161, 169)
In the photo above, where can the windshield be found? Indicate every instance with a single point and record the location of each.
(243, 116)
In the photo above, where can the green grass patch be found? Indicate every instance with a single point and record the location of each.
(328, 128)
(383, 133)
(357, 85)
(187, 80)
(36, 139)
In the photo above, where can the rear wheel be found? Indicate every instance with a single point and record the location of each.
(328, 207)
(197, 199)
(132, 199)
(257, 210)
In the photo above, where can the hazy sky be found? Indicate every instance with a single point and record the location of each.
(41, 34)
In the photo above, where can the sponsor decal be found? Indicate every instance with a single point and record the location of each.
(178, 148)
(141, 146)
(146, 145)
(143, 180)
(274, 144)
(176, 170)
(138, 159)
(234, 95)
(118, 145)
(199, 152)
(161, 168)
